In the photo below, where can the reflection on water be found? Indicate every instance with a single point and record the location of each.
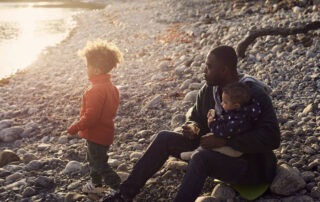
(27, 28)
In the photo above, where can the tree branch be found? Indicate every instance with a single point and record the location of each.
(253, 34)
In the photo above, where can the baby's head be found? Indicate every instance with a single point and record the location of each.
(101, 57)
(235, 95)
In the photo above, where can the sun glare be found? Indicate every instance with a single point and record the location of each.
(37, 29)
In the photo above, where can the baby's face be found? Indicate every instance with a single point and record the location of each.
(227, 103)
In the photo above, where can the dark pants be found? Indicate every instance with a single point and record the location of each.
(203, 164)
(99, 168)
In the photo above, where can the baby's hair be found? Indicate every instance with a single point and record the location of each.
(238, 93)
(101, 54)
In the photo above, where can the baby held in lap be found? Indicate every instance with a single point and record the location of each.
(239, 114)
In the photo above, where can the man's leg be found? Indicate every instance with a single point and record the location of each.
(206, 163)
(165, 144)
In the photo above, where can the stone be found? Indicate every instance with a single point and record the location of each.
(136, 155)
(308, 176)
(72, 196)
(8, 156)
(287, 181)
(72, 167)
(123, 175)
(34, 165)
(177, 120)
(13, 178)
(191, 96)
(43, 181)
(28, 191)
(155, 102)
(223, 192)
(6, 123)
(207, 199)
(315, 192)
(297, 199)
(114, 162)
(10, 134)
(176, 165)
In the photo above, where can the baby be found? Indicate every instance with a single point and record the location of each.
(239, 113)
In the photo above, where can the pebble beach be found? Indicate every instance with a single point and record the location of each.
(165, 44)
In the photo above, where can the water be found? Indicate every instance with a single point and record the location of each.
(28, 28)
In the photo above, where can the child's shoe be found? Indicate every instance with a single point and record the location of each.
(93, 188)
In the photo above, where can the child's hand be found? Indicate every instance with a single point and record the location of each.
(73, 129)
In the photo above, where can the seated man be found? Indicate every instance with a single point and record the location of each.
(256, 165)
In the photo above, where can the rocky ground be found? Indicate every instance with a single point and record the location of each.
(164, 44)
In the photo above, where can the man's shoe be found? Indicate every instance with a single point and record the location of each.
(115, 197)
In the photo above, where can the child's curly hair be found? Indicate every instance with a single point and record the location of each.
(101, 54)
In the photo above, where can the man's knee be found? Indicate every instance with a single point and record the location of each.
(163, 136)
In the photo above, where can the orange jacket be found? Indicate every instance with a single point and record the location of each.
(98, 109)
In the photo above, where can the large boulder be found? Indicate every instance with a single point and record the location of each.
(287, 181)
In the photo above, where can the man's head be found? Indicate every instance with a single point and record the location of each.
(235, 95)
(221, 66)
(101, 57)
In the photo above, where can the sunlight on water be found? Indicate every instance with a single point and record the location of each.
(26, 30)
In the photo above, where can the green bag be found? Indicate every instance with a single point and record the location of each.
(248, 192)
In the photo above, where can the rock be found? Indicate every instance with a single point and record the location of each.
(136, 155)
(191, 96)
(34, 165)
(298, 199)
(8, 156)
(185, 84)
(28, 191)
(123, 167)
(74, 185)
(114, 162)
(43, 181)
(287, 181)
(315, 192)
(176, 165)
(5, 124)
(28, 157)
(72, 167)
(72, 196)
(207, 199)
(10, 134)
(154, 103)
(308, 176)
(177, 120)
(123, 175)
(44, 147)
(14, 177)
(223, 192)
(63, 139)
(307, 109)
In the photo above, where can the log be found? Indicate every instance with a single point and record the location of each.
(253, 34)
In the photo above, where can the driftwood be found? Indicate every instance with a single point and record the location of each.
(253, 34)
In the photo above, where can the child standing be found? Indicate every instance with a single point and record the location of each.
(98, 109)
(239, 112)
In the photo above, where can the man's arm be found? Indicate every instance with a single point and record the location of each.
(265, 134)
(198, 112)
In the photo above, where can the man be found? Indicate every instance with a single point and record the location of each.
(256, 165)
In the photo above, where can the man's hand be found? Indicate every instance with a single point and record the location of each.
(211, 141)
(73, 129)
(190, 130)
